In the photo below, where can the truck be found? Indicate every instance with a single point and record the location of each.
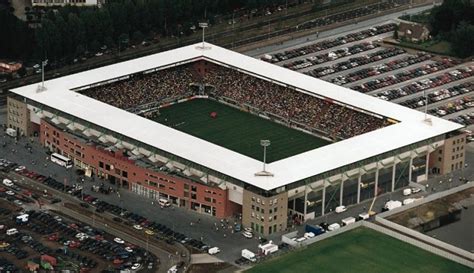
(363, 216)
(317, 230)
(390, 205)
(348, 221)
(249, 255)
(11, 132)
(268, 248)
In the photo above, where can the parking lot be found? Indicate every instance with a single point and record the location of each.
(361, 61)
(70, 245)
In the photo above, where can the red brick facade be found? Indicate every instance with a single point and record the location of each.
(119, 169)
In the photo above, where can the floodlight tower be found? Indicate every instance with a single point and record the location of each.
(41, 87)
(203, 26)
(427, 119)
(264, 143)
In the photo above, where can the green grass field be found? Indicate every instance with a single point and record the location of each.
(237, 130)
(361, 250)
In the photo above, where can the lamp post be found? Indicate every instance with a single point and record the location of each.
(203, 26)
(264, 143)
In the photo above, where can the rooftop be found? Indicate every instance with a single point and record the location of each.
(411, 127)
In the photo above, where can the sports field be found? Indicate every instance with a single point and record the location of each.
(361, 250)
(237, 130)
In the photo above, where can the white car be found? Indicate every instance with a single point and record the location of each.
(247, 234)
(137, 227)
(136, 266)
(129, 249)
(119, 241)
(7, 182)
(81, 236)
(415, 190)
(20, 168)
(10, 193)
(248, 229)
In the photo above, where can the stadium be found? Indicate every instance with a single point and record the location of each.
(225, 134)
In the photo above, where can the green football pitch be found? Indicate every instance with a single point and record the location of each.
(237, 130)
(361, 250)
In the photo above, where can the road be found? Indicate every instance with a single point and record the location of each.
(310, 39)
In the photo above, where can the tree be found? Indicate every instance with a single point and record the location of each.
(463, 39)
(16, 38)
(77, 34)
(137, 36)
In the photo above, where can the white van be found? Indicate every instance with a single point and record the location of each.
(334, 226)
(12, 231)
(164, 202)
(341, 209)
(11, 132)
(213, 250)
(348, 221)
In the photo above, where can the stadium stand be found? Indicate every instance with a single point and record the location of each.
(310, 112)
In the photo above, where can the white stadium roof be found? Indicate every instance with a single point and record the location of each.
(410, 129)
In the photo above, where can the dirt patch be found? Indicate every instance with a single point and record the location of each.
(431, 210)
(210, 268)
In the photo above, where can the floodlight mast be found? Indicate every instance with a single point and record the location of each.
(41, 87)
(427, 119)
(203, 26)
(264, 143)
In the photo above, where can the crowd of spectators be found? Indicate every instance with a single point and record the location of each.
(311, 113)
(141, 89)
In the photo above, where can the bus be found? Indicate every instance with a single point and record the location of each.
(61, 160)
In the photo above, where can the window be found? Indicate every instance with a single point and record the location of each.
(207, 199)
(253, 198)
(270, 211)
(153, 184)
(274, 217)
(253, 215)
(258, 200)
(186, 194)
(186, 186)
(101, 164)
(107, 167)
(258, 209)
(193, 188)
(263, 211)
(275, 210)
(440, 151)
(124, 174)
(439, 159)
(193, 196)
(253, 207)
